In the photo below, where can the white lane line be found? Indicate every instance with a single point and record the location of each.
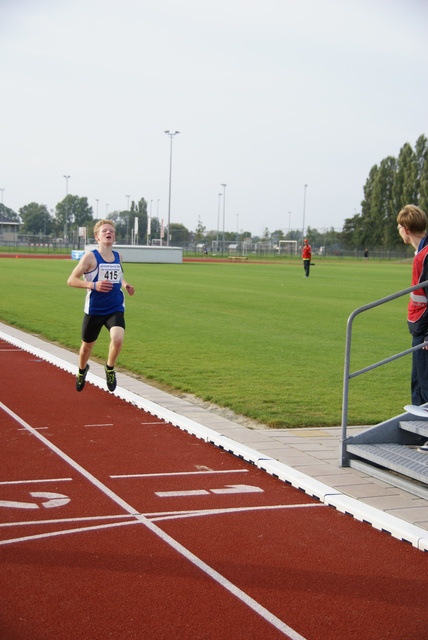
(37, 481)
(191, 557)
(104, 424)
(166, 515)
(64, 532)
(75, 465)
(178, 515)
(178, 473)
(153, 517)
(25, 523)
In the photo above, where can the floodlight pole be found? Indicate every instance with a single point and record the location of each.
(127, 222)
(171, 136)
(304, 207)
(224, 214)
(218, 218)
(66, 206)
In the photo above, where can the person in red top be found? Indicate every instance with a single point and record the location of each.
(412, 223)
(307, 255)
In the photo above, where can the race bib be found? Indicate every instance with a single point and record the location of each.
(110, 271)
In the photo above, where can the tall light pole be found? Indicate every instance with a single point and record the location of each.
(224, 212)
(66, 206)
(171, 135)
(304, 207)
(97, 201)
(2, 211)
(127, 221)
(218, 218)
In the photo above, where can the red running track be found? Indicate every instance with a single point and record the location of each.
(115, 524)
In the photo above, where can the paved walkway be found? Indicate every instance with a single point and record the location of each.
(306, 458)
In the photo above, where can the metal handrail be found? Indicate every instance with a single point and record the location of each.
(343, 461)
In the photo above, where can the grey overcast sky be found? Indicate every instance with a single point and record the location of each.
(268, 95)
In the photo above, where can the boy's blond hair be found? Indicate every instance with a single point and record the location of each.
(100, 223)
(412, 218)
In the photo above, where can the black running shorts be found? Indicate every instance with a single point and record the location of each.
(92, 325)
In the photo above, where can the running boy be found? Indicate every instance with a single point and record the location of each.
(105, 301)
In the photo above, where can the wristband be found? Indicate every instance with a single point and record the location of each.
(94, 286)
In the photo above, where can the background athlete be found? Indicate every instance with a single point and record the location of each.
(306, 255)
(102, 273)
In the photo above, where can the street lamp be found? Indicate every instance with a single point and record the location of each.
(97, 201)
(66, 206)
(218, 217)
(224, 212)
(304, 207)
(127, 222)
(171, 136)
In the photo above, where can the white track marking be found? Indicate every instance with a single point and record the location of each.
(38, 481)
(11, 504)
(234, 488)
(54, 534)
(106, 424)
(191, 557)
(182, 494)
(102, 487)
(62, 520)
(178, 515)
(178, 473)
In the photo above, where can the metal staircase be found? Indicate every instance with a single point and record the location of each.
(389, 450)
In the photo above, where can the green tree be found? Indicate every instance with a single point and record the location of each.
(9, 214)
(73, 212)
(179, 234)
(423, 187)
(421, 151)
(351, 236)
(200, 232)
(404, 190)
(36, 219)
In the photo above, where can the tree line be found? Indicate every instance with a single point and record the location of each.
(391, 184)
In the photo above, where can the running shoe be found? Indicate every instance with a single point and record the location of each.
(81, 378)
(111, 378)
(424, 448)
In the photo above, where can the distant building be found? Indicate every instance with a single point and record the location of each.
(8, 228)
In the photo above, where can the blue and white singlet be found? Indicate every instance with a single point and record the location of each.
(98, 303)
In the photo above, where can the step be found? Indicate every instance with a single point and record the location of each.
(420, 427)
(404, 460)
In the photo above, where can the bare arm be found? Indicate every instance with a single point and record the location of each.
(128, 287)
(87, 263)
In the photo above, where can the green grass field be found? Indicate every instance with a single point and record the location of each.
(259, 339)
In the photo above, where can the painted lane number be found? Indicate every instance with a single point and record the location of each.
(52, 500)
